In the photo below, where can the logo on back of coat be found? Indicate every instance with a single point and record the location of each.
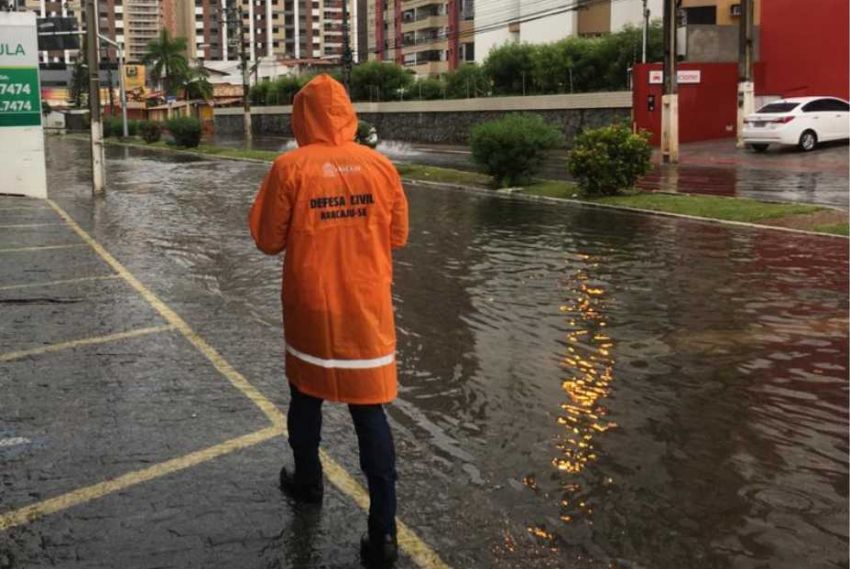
(332, 171)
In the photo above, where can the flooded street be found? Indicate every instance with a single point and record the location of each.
(714, 168)
(578, 387)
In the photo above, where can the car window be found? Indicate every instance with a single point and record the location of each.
(778, 108)
(835, 105)
(814, 106)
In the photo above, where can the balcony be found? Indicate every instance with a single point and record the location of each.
(430, 68)
(436, 21)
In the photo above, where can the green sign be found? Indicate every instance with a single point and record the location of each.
(20, 100)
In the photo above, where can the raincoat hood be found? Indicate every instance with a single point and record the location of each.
(322, 113)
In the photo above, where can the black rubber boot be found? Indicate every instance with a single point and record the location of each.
(299, 491)
(378, 552)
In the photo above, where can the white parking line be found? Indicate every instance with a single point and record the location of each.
(13, 442)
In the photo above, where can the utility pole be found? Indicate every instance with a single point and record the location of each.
(645, 28)
(746, 89)
(233, 16)
(347, 57)
(98, 163)
(670, 99)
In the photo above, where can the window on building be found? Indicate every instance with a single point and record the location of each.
(467, 51)
(316, 32)
(701, 16)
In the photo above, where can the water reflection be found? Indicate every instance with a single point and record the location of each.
(589, 369)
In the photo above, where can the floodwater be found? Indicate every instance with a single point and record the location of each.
(579, 387)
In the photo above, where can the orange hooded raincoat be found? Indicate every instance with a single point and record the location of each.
(337, 209)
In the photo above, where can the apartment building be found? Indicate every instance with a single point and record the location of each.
(279, 29)
(429, 37)
(542, 21)
(131, 22)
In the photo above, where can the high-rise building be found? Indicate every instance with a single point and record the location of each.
(429, 37)
(143, 19)
(132, 23)
(280, 29)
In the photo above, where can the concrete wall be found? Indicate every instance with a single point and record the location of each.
(716, 44)
(805, 49)
(449, 122)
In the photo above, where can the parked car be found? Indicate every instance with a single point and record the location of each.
(801, 121)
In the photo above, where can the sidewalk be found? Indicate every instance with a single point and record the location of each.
(125, 434)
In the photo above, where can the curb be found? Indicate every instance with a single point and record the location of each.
(512, 193)
(519, 195)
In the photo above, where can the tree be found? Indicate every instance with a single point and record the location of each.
(468, 80)
(378, 81)
(197, 83)
(168, 63)
(510, 68)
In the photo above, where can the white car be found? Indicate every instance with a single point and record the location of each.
(801, 121)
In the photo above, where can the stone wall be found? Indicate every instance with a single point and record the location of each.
(449, 122)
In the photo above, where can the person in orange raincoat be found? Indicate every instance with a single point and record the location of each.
(337, 209)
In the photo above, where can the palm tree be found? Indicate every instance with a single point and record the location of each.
(197, 83)
(167, 60)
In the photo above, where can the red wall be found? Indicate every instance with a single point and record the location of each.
(707, 109)
(804, 48)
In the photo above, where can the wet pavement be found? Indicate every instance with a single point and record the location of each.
(578, 387)
(707, 168)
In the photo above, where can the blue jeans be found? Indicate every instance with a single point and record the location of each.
(377, 453)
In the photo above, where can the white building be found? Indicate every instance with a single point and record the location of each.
(543, 21)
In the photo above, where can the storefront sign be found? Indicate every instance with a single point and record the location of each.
(22, 169)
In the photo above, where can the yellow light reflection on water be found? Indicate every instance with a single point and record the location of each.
(589, 370)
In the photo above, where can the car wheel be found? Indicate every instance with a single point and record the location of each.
(808, 141)
(759, 147)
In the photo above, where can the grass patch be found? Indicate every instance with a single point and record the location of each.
(833, 228)
(443, 175)
(713, 207)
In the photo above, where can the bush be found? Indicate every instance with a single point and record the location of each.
(186, 131)
(151, 131)
(366, 135)
(427, 89)
(468, 80)
(114, 127)
(513, 148)
(609, 159)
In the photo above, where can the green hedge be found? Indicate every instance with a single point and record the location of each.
(512, 148)
(606, 160)
(186, 131)
(151, 131)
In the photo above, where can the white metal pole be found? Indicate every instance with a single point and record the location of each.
(123, 89)
(97, 157)
(645, 28)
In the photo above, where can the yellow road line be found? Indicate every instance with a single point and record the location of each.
(82, 495)
(410, 543)
(61, 282)
(58, 347)
(419, 551)
(22, 225)
(237, 379)
(41, 248)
